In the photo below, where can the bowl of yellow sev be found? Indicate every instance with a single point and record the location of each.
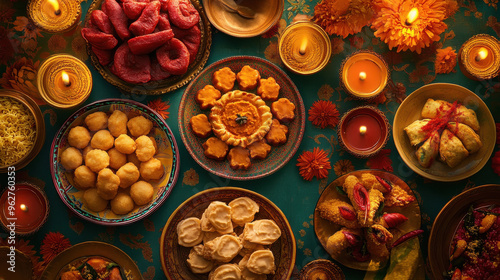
(22, 130)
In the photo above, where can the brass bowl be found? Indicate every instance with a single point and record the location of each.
(410, 110)
(448, 220)
(267, 14)
(39, 126)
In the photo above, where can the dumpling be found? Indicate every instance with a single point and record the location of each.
(263, 232)
(225, 272)
(428, 151)
(467, 116)
(470, 139)
(451, 149)
(243, 210)
(435, 108)
(189, 232)
(197, 263)
(261, 262)
(219, 215)
(415, 132)
(222, 249)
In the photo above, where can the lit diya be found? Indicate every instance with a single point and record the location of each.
(24, 208)
(479, 57)
(54, 15)
(363, 131)
(364, 75)
(64, 81)
(304, 47)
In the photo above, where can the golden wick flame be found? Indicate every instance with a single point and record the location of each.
(362, 76)
(362, 130)
(65, 78)
(303, 46)
(55, 6)
(482, 54)
(23, 207)
(412, 16)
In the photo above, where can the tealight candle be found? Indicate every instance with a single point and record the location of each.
(479, 57)
(54, 15)
(363, 131)
(304, 47)
(23, 209)
(364, 74)
(64, 81)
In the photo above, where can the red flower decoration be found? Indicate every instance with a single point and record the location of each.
(314, 164)
(324, 113)
(160, 107)
(272, 31)
(381, 161)
(53, 244)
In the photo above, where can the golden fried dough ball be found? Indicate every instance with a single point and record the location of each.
(84, 177)
(122, 203)
(78, 137)
(133, 159)
(145, 149)
(102, 140)
(107, 183)
(142, 192)
(97, 121)
(116, 159)
(139, 126)
(71, 158)
(151, 169)
(128, 174)
(125, 144)
(96, 160)
(86, 151)
(154, 144)
(93, 201)
(117, 123)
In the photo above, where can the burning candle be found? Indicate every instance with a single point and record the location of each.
(24, 208)
(364, 75)
(479, 57)
(64, 81)
(304, 47)
(54, 15)
(363, 131)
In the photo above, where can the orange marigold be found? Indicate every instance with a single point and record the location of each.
(343, 17)
(324, 113)
(343, 167)
(390, 23)
(446, 60)
(160, 107)
(314, 164)
(53, 244)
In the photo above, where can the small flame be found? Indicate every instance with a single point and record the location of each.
(481, 54)
(362, 76)
(362, 130)
(65, 78)
(55, 6)
(23, 207)
(412, 16)
(303, 46)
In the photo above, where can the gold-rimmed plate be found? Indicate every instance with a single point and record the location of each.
(91, 249)
(410, 110)
(324, 228)
(173, 256)
(166, 85)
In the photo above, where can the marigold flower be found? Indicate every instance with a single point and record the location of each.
(53, 244)
(324, 113)
(446, 60)
(160, 107)
(381, 161)
(314, 164)
(191, 178)
(343, 167)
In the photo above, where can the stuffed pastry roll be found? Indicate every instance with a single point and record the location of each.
(455, 112)
(343, 239)
(377, 238)
(339, 212)
(415, 132)
(451, 149)
(365, 202)
(467, 116)
(435, 108)
(429, 150)
(466, 134)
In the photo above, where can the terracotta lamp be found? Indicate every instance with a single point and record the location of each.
(363, 131)
(479, 57)
(24, 208)
(364, 74)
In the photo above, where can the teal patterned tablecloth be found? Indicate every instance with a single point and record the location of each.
(23, 47)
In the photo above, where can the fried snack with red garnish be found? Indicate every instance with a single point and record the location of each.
(248, 78)
(377, 238)
(283, 110)
(259, 149)
(371, 181)
(173, 57)
(223, 79)
(239, 158)
(207, 96)
(339, 212)
(277, 135)
(147, 21)
(215, 148)
(366, 202)
(268, 89)
(398, 197)
(200, 125)
(182, 13)
(343, 239)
